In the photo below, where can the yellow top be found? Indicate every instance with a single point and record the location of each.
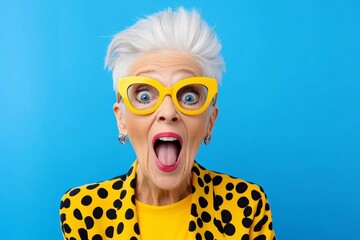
(164, 222)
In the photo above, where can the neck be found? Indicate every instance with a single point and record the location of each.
(148, 193)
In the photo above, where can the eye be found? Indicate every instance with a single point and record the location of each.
(189, 97)
(143, 95)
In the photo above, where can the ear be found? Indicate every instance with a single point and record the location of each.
(212, 120)
(119, 115)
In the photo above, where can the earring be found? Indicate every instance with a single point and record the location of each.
(123, 138)
(207, 139)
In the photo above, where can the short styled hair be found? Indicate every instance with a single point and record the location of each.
(180, 30)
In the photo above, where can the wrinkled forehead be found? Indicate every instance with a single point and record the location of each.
(166, 65)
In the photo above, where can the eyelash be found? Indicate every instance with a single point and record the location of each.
(142, 88)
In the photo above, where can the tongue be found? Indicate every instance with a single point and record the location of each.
(166, 153)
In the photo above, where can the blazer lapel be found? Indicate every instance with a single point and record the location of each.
(127, 226)
(205, 221)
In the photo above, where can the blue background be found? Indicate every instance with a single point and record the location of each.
(289, 108)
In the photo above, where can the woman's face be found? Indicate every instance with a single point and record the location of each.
(165, 141)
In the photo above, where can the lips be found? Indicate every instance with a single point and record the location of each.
(167, 147)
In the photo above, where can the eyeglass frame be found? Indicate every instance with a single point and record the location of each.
(125, 82)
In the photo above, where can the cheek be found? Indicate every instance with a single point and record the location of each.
(196, 128)
(138, 130)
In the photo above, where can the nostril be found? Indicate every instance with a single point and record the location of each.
(174, 119)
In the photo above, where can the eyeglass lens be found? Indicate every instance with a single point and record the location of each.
(190, 97)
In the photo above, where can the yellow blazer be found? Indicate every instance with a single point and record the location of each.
(223, 207)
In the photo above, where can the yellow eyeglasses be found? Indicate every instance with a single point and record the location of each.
(143, 95)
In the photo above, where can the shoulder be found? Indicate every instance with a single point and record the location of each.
(91, 209)
(237, 186)
(224, 183)
(96, 199)
(85, 194)
(234, 193)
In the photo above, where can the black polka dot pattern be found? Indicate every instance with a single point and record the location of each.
(218, 201)
(194, 210)
(73, 192)
(120, 228)
(109, 232)
(77, 214)
(97, 237)
(205, 217)
(86, 201)
(241, 187)
(203, 202)
(260, 224)
(209, 235)
(83, 233)
(98, 212)
(255, 195)
(66, 203)
(111, 214)
(192, 226)
(66, 228)
(261, 237)
(129, 214)
(89, 222)
(229, 196)
(245, 237)
(259, 208)
(229, 229)
(229, 186)
(199, 222)
(243, 202)
(117, 185)
(221, 206)
(247, 211)
(226, 216)
(206, 190)
(117, 204)
(207, 178)
(123, 194)
(137, 229)
(217, 180)
(102, 193)
(219, 225)
(92, 186)
(62, 217)
(246, 222)
(200, 182)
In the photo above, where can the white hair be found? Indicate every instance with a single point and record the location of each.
(166, 30)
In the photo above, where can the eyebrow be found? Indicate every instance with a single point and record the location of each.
(194, 73)
(145, 71)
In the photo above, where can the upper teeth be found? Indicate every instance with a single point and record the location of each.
(168, 139)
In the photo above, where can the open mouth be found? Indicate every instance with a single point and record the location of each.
(167, 147)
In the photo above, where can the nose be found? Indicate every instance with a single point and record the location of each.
(167, 111)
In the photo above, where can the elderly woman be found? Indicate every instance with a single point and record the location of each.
(166, 69)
